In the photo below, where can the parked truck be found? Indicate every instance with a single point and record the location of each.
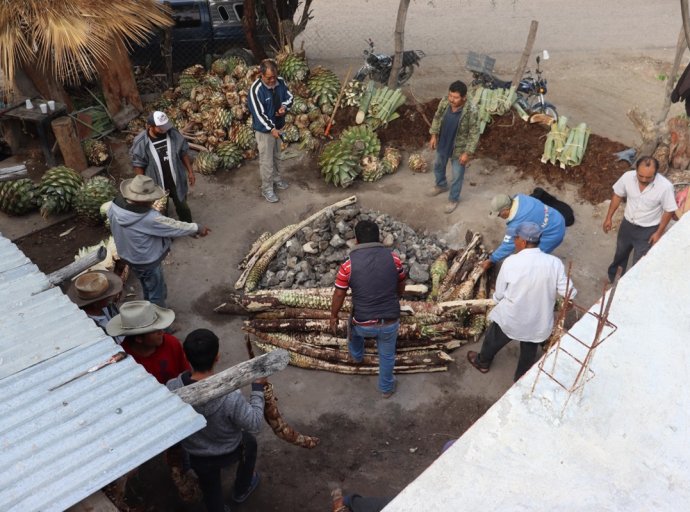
(203, 30)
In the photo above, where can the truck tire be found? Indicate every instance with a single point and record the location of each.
(241, 53)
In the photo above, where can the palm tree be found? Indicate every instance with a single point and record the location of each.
(61, 41)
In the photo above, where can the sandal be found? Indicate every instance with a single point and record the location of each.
(472, 358)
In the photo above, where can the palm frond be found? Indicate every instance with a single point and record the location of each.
(70, 37)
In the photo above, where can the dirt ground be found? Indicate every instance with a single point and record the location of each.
(369, 445)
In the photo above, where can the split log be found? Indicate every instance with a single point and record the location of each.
(438, 271)
(13, 173)
(255, 247)
(77, 267)
(465, 290)
(318, 340)
(278, 314)
(337, 356)
(457, 265)
(261, 260)
(233, 378)
(70, 147)
(469, 303)
(312, 363)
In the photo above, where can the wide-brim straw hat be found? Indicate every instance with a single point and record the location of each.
(141, 188)
(93, 286)
(139, 317)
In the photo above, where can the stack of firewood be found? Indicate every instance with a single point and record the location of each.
(298, 320)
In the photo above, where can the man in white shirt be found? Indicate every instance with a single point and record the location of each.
(649, 208)
(526, 289)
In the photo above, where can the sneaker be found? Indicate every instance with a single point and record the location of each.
(281, 185)
(437, 190)
(271, 196)
(451, 206)
(243, 497)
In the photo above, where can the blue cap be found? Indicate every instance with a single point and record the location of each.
(529, 232)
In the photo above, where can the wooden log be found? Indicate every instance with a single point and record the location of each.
(457, 264)
(70, 147)
(255, 247)
(77, 267)
(524, 58)
(313, 363)
(340, 356)
(233, 378)
(456, 304)
(13, 173)
(465, 290)
(278, 314)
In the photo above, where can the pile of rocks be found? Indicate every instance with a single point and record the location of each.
(312, 257)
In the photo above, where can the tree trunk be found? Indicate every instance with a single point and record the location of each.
(686, 20)
(233, 378)
(273, 21)
(249, 24)
(399, 43)
(117, 81)
(70, 147)
(520, 70)
(45, 82)
(671, 81)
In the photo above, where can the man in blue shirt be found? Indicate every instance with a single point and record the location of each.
(269, 100)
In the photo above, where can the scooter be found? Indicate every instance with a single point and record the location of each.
(530, 90)
(377, 66)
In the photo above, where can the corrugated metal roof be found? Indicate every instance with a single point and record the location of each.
(57, 447)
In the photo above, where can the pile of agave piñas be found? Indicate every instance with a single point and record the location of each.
(210, 108)
(60, 190)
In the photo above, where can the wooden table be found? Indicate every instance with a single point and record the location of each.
(42, 123)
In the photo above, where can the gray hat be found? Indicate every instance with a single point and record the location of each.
(139, 317)
(498, 203)
(93, 286)
(529, 232)
(141, 188)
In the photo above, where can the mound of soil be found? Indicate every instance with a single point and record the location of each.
(510, 141)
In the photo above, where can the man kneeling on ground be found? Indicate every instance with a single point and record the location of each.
(226, 439)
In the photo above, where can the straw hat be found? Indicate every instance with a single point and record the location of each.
(139, 317)
(93, 286)
(141, 188)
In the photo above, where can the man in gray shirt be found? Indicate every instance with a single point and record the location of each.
(648, 210)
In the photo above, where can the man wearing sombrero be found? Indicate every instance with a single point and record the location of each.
(142, 324)
(95, 292)
(143, 236)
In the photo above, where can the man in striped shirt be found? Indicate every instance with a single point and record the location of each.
(377, 279)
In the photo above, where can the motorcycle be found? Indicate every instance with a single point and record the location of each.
(377, 66)
(530, 90)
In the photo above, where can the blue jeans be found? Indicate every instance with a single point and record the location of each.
(153, 283)
(458, 175)
(386, 337)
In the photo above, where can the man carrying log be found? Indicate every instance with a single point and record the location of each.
(143, 236)
(377, 279)
(162, 153)
(649, 208)
(226, 439)
(526, 289)
(523, 208)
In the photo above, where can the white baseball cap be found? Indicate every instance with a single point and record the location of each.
(159, 120)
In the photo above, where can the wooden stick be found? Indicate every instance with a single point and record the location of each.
(337, 102)
(77, 267)
(457, 264)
